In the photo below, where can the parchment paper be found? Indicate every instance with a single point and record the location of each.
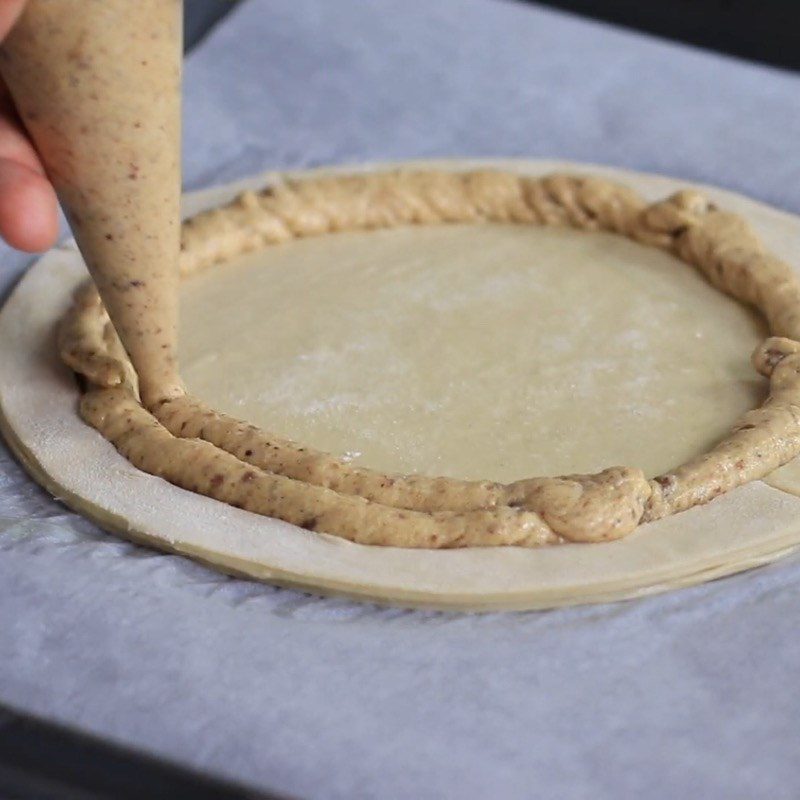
(690, 693)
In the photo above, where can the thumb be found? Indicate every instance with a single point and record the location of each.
(9, 11)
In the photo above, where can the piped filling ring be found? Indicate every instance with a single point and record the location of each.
(202, 450)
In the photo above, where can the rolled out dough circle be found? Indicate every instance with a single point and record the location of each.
(38, 402)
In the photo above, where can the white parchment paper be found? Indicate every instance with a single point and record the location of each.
(693, 693)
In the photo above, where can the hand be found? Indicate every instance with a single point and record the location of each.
(28, 205)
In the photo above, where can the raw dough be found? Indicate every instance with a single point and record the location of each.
(750, 526)
(531, 359)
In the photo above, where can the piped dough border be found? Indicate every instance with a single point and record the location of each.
(38, 417)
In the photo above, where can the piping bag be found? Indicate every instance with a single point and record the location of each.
(97, 84)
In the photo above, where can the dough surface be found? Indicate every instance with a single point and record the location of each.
(491, 351)
(750, 526)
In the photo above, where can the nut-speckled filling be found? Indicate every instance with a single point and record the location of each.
(177, 437)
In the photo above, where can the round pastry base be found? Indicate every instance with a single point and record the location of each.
(38, 417)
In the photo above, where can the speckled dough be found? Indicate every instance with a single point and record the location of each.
(200, 449)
